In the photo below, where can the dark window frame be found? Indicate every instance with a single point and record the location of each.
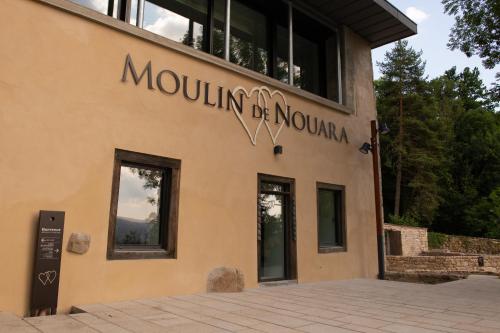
(169, 207)
(291, 224)
(343, 218)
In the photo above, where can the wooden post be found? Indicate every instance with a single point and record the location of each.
(379, 218)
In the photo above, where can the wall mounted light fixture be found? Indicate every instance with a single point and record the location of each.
(365, 148)
(383, 129)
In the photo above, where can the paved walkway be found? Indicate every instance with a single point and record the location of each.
(370, 306)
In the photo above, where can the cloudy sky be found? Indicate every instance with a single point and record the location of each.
(433, 30)
(133, 197)
(99, 5)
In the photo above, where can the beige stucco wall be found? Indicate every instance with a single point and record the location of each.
(63, 111)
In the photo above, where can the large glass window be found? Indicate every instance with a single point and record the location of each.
(331, 218)
(306, 64)
(315, 56)
(282, 49)
(183, 21)
(258, 39)
(249, 46)
(98, 5)
(143, 212)
(219, 20)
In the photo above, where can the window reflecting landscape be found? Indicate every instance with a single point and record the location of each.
(281, 70)
(249, 38)
(137, 221)
(219, 28)
(274, 187)
(183, 21)
(258, 39)
(329, 224)
(97, 5)
(306, 64)
(273, 236)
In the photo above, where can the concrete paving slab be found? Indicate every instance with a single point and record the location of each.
(362, 306)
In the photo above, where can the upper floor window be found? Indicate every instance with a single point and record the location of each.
(249, 44)
(184, 21)
(315, 57)
(257, 37)
(98, 5)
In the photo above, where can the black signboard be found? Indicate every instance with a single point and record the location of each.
(45, 285)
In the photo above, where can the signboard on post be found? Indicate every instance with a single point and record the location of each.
(47, 263)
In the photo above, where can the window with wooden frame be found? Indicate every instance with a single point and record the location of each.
(144, 206)
(331, 218)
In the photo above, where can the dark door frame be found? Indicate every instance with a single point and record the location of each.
(290, 225)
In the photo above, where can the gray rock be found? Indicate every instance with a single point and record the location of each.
(225, 280)
(79, 243)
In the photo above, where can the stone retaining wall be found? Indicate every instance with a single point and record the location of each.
(411, 241)
(442, 263)
(473, 245)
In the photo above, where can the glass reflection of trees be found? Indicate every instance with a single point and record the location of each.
(271, 206)
(142, 231)
(259, 37)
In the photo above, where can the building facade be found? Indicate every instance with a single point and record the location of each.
(186, 135)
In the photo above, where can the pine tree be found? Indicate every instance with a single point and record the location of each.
(412, 153)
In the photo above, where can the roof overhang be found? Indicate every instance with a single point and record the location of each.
(378, 21)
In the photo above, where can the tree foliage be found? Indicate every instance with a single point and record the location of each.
(449, 147)
(474, 152)
(412, 151)
(476, 29)
(477, 32)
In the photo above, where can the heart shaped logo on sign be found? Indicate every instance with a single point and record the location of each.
(263, 93)
(264, 89)
(240, 89)
(47, 277)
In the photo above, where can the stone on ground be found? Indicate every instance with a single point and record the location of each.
(225, 279)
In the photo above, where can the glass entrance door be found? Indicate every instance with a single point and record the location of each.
(274, 230)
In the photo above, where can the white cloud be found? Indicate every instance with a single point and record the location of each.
(169, 24)
(99, 5)
(133, 196)
(417, 15)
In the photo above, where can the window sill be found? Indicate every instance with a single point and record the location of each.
(139, 254)
(113, 23)
(332, 249)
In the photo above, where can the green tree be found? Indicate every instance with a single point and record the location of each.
(476, 29)
(483, 218)
(470, 89)
(474, 153)
(444, 144)
(412, 153)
